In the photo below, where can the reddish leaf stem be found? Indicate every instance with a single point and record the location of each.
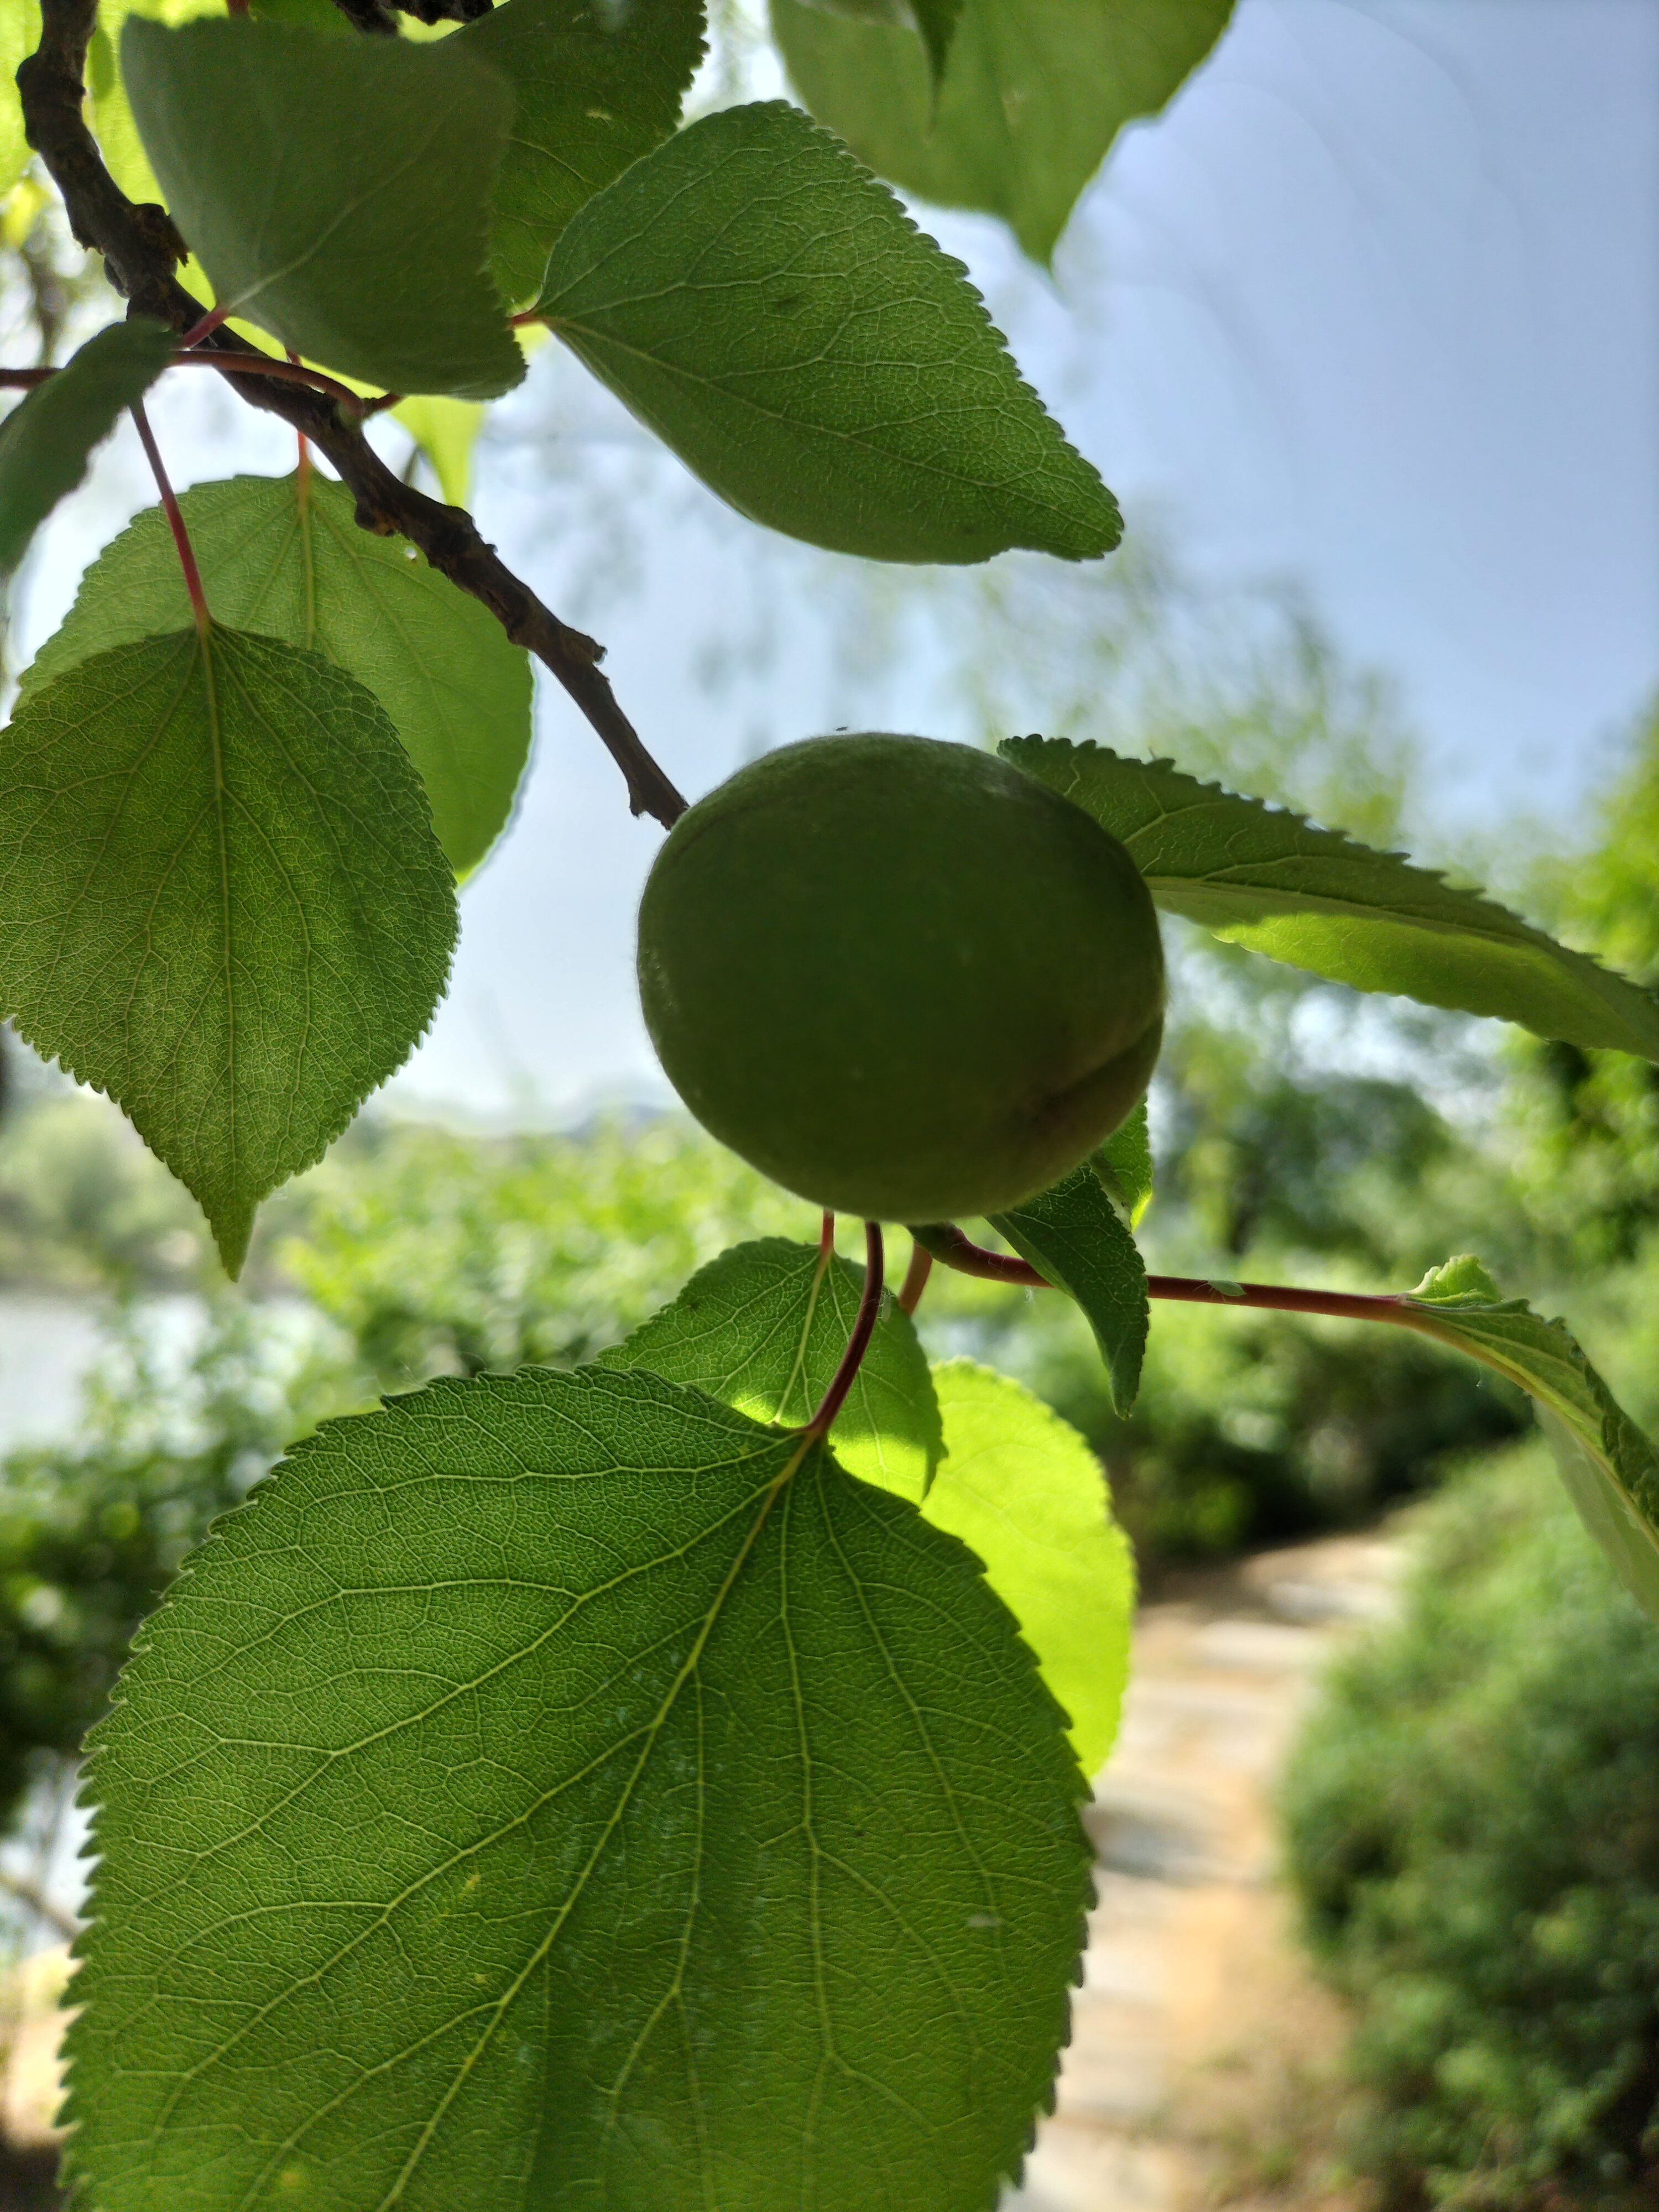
(915, 1278)
(175, 520)
(859, 1342)
(826, 1236)
(208, 324)
(949, 1245)
(243, 364)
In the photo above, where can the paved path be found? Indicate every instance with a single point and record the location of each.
(1189, 1927)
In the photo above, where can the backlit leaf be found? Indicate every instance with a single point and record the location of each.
(335, 191)
(1072, 1234)
(446, 430)
(596, 87)
(1124, 1164)
(1023, 1490)
(1034, 93)
(220, 901)
(763, 1327)
(20, 35)
(1609, 1465)
(457, 691)
(47, 439)
(1262, 877)
(774, 316)
(559, 1790)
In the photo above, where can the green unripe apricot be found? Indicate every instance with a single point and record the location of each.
(902, 978)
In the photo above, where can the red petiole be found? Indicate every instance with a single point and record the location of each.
(175, 519)
(863, 1328)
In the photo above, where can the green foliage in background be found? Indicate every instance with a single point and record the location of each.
(1472, 1818)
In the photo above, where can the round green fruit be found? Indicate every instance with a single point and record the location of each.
(901, 977)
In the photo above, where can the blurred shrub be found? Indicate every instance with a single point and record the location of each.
(1471, 1818)
(175, 1432)
(441, 1253)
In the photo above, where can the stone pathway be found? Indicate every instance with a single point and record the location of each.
(1188, 1917)
(1186, 1945)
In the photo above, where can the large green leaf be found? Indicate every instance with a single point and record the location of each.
(597, 85)
(336, 193)
(46, 440)
(1023, 1489)
(1609, 1466)
(763, 1327)
(559, 1790)
(1034, 93)
(298, 567)
(1072, 1234)
(773, 313)
(220, 901)
(1262, 877)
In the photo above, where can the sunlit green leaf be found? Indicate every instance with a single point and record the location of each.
(556, 1790)
(220, 901)
(1262, 877)
(776, 317)
(446, 430)
(1609, 1466)
(1023, 1490)
(596, 86)
(46, 440)
(1034, 93)
(20, 35)
(1124, 1164)
(1072, 1234)
(335, 191)
(300, 569)
(763, 1328)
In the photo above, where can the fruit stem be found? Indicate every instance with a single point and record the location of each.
(915, 1278)
(175, 519)
(947, 1243)
(859, 1342)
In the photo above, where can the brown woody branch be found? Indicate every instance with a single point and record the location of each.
(141, 249)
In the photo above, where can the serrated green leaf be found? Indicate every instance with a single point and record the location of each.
(774, 316)
(596, 86)
(763, 1327)
(457, 691)
(1262, 877)
(1072, 1234)
(556, 1790)
(1024, 1491)
(220, 901)
(1610, 1468)
(1033, 95)
(20, 35)
(336, 193)
(1124, 1165)
(46, 440)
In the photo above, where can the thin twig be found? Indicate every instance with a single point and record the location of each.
(140, 247)
(859, 1342)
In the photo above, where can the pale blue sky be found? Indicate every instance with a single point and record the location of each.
(1376, 307)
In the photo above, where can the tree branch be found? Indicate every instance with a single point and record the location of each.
(141, 249)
